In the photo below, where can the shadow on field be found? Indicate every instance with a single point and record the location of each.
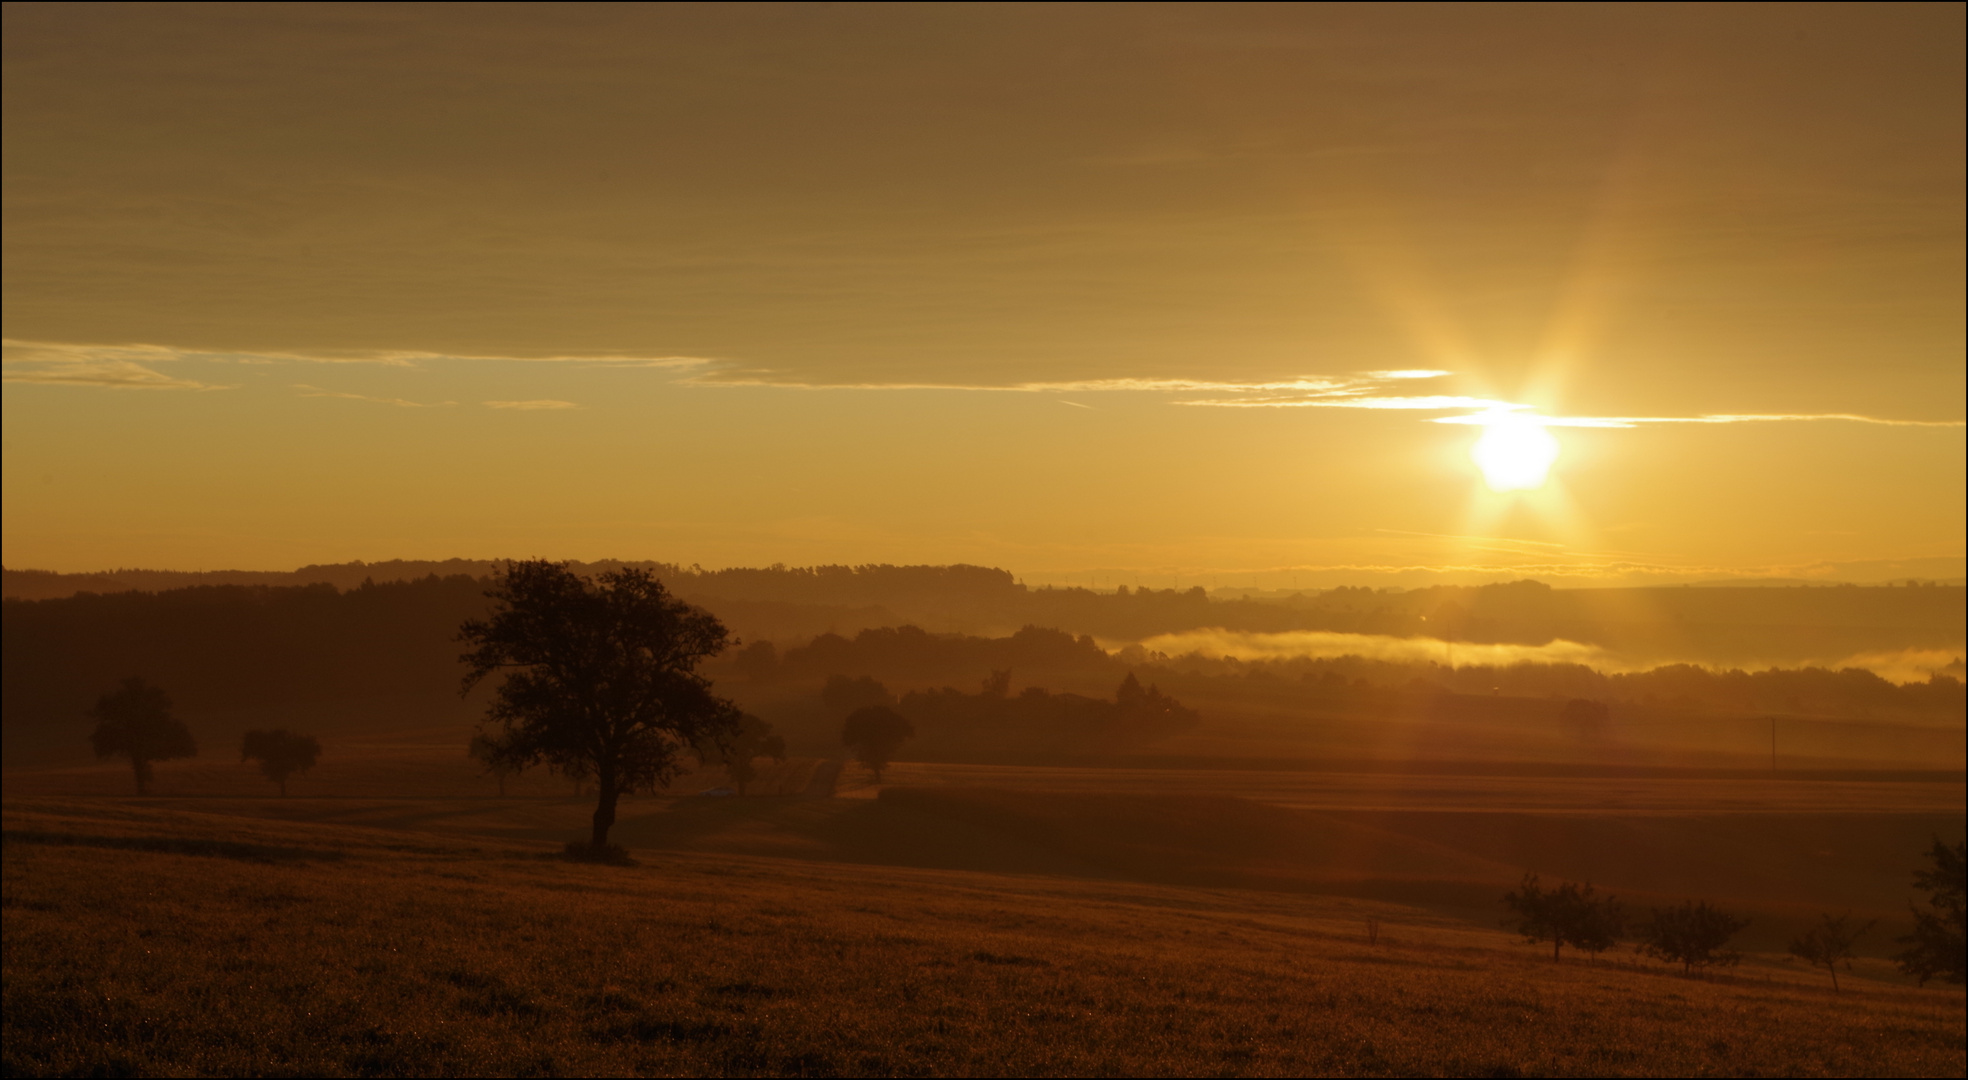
(174, 845)
(1782, 870)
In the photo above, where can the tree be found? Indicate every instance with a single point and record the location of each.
(1693, 935)
(281, 753)
(485, 751)
(753, 739)
(997, 686)
(1570, 914)
(1829, 943)
(600, 679)
(135, 720)
(874, 732)
(1938, 948)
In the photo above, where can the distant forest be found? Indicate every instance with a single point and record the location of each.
(389, 650)
(1720, 626)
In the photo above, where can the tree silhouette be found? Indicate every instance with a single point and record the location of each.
(1693, 935)
(753, 739)
(1938, 948)
(1829, 944)
(874, 732)
(135, 720)
(997, 686)
(281, 753)
(1570, 914)
(600, 679)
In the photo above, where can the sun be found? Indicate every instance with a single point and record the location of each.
(1515, 453)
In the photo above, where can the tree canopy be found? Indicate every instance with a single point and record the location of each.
(600, 678)
(135, 720)
(875, 732)
(1570, 914)
(1693, 935)
(281, 753)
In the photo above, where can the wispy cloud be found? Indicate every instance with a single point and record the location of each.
(401, 403)
(1707, 418)
(53, 354)
(1358, 398)
(135, 366)
(127, 368)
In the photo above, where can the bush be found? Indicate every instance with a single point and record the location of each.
(1568, 915)
(1693, 935)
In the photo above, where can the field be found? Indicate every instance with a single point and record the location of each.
(958, 919)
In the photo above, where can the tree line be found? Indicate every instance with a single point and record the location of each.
(1696, 934)
(240, 647)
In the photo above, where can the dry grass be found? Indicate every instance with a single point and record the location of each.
(141, 939)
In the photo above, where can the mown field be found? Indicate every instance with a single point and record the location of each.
(237, 936)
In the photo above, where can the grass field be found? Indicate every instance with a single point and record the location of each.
(396, 915)
(142, 938)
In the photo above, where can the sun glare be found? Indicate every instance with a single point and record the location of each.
(1515, 453)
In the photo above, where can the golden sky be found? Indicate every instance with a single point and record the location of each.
(1170, 289)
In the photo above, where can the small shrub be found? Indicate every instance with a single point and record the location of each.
(1693, 935)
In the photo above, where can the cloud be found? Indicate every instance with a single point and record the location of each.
(1707, 418)
(1906, 665)
(1354, 398)
(133, 366)
(401, 403)
(126, 368)
(57, 353)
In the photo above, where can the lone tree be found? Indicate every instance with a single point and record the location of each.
(1570, 914)
(1938, 948)
(1829, 944)
(753, 739)
(135, 720)
(1693, 935)
(874, 732)
(281, 753)
(600, 679)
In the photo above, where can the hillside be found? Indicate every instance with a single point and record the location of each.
(164, 934)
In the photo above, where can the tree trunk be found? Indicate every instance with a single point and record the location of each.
(1834, 976)
(1556, 944)
(142, 769)
(604, 815)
